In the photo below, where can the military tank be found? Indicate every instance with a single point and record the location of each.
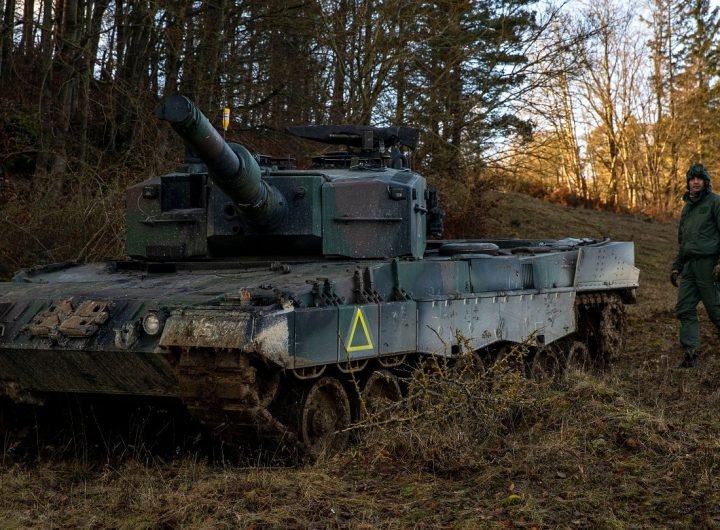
(272, 300)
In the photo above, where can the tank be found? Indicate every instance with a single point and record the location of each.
(272, 302)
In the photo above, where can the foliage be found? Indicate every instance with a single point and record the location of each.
(627, 112)
(454, 413)
(95, 73)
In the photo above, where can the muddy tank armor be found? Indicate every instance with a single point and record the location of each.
(270, 301)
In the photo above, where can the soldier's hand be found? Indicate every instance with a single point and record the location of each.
(716, 272)
(674, 276)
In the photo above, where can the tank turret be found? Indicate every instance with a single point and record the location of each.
(230, 166)
(364, 202)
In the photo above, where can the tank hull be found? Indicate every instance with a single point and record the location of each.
(243, 342)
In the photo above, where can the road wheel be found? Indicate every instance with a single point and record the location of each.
(324, 415)
(578, 357)
(381, 390)
(546, 364)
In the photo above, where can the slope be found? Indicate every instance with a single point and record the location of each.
(634, 446)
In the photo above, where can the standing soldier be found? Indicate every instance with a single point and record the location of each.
(697, 261)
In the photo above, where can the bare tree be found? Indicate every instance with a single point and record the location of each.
(613, 60)
(554, 105)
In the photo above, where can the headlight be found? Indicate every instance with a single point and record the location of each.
(153, 323)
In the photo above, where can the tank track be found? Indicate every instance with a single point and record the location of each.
(601, 325)
(238, 396)
(230, 393)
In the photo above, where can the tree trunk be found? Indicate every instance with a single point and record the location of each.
(7, 32)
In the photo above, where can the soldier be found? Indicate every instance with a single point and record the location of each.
(697, 261)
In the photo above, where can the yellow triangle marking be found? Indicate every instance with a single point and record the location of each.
(359, 317)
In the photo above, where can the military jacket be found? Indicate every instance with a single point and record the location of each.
(699, 230)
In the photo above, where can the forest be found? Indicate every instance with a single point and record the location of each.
(598, 103)
(597, 107)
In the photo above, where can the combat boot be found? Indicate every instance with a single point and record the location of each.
(690, 359)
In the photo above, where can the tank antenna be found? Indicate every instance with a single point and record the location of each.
(225, 120)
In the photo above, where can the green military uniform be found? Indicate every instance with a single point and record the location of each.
(698, 253)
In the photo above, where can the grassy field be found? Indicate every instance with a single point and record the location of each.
(635, 446)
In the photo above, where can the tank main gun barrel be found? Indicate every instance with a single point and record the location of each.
(231, 167)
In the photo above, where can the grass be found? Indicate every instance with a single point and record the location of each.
(636, 446)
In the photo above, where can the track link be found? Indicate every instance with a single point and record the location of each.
(230, 394)
(601, 325)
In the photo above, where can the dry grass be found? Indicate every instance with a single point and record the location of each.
(636, 446)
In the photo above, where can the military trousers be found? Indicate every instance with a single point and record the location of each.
(697, 285)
